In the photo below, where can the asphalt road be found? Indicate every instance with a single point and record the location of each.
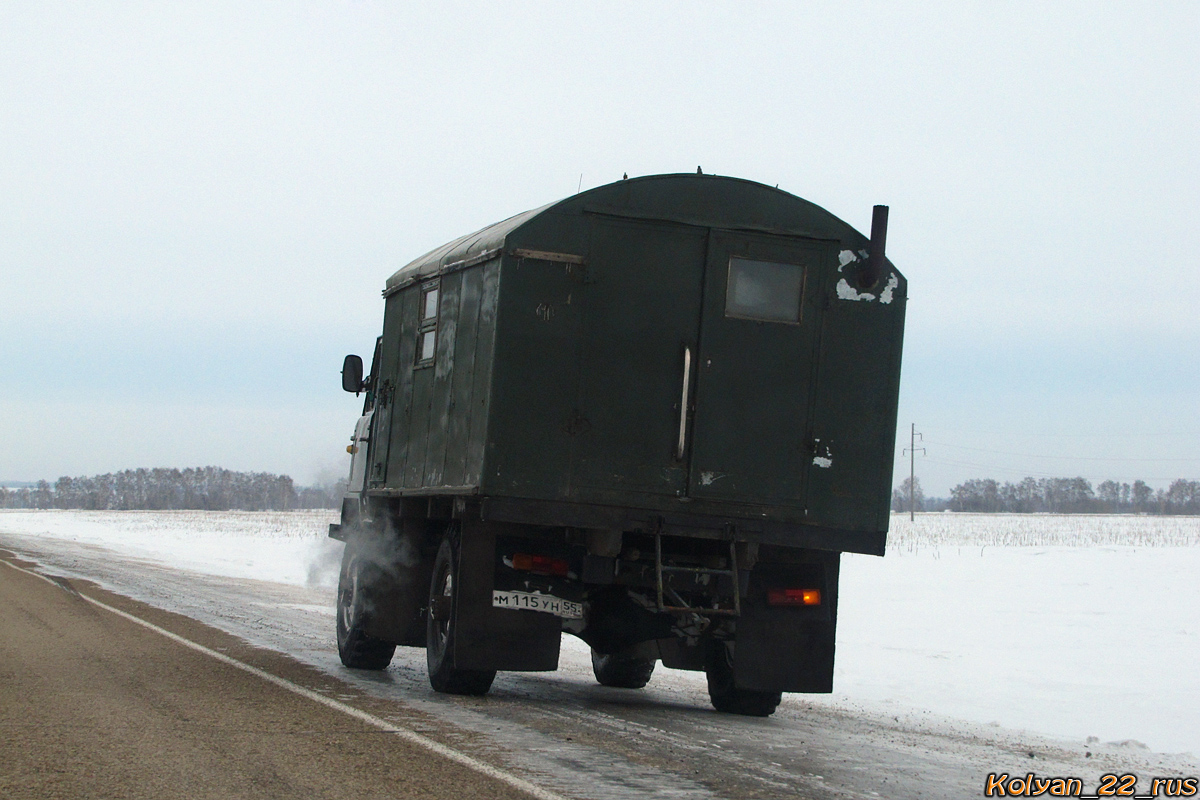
(95, 705)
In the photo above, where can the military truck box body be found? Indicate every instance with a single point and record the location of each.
(559, 341)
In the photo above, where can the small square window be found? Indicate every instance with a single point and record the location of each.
(429, 304)
(764, 290)
(428, 345)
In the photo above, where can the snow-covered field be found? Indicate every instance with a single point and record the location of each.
(1076, 626)
(1072, 626)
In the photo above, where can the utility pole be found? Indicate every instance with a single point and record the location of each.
(912, 471)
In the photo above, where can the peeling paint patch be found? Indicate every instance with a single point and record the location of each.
(709, 478)
(846, 257)
(825, 461)
(847, 292)
(886, 295)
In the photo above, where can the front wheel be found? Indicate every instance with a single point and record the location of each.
(622, 671)
(357, 648)
(439, 631)
(729, 699)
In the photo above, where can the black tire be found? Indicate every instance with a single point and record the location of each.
(622, 671)
(729, 699)
(439, 630)
(357, 648)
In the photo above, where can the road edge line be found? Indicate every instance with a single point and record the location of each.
(407, 734)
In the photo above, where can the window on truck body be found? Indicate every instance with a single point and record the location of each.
(427, 324)
(767, 291)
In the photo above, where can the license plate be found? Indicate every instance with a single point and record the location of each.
(529, 601)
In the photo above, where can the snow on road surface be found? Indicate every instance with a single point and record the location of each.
(1073, 627)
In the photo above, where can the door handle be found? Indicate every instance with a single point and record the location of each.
(683, 402)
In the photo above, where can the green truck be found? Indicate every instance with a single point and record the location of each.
(651, 415)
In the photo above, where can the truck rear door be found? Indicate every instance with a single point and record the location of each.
(734, 317)
(642, 304)
(756, 367)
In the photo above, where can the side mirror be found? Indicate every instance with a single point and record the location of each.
(352, 374)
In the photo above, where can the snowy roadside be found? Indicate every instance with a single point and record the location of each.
(282, 546)
(992, 619)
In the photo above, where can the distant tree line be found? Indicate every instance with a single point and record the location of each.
(204, 488)
(1056, 496)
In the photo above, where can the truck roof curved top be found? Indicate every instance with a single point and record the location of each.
(703, 200)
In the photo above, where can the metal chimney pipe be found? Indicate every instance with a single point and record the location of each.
(875, 258)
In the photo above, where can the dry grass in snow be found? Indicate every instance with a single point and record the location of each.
(1039, 530)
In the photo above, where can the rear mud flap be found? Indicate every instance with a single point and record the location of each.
(496, 638)
(398, 580)
(787, 649)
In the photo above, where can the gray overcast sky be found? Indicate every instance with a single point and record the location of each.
(200, 202)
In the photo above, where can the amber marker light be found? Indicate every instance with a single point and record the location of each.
(793, 597)
(541, 565)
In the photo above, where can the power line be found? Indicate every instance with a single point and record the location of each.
(1062, 458)
(1030, 473)
(1035, 474)
(1100, 436)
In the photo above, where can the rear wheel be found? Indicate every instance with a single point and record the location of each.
(728, 698)
(622, 671)
(357, 648)
(439, 631)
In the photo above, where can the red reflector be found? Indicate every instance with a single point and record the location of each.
(794, 597)
(542, 565)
